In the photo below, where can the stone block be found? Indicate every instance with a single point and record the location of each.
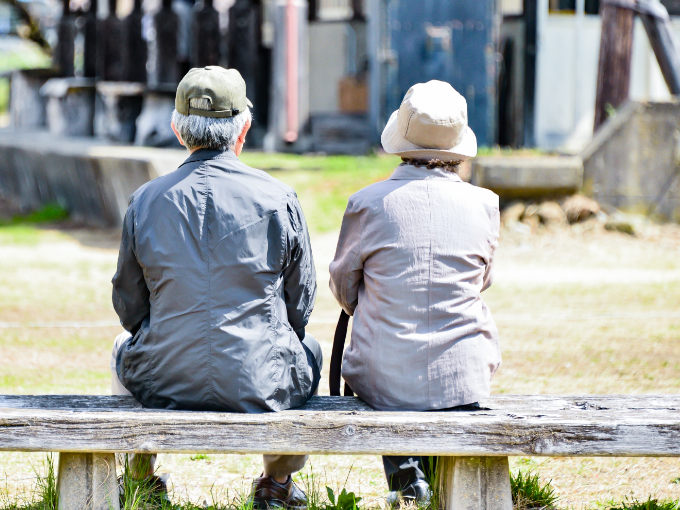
(27, 107)
(153, 123)
(632, 161)
(70, 106)
(117, 108)
(528, 177)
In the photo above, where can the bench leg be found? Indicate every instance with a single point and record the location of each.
(474, 483)
(87, 481)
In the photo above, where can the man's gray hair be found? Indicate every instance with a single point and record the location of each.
(207, 132)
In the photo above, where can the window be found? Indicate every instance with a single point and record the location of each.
(592, 6)
(562, 6)
(334, 9)
(512, 7)
(569, 6)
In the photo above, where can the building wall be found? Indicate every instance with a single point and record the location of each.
(568, 54)
(327, 65)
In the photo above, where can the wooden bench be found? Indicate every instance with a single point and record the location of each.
(475, 443)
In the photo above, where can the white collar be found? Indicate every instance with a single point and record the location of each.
(407, 172)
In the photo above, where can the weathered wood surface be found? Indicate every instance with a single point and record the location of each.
(643, 425)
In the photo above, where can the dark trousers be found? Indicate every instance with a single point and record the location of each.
(402, 471)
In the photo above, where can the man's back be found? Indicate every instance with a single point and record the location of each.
(224, 253)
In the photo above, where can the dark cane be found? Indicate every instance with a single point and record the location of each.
(336, 357)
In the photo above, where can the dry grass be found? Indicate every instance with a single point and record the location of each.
(579, 310)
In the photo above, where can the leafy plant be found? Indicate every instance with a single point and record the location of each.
(344, 501)
(528, 491)
(650, 504)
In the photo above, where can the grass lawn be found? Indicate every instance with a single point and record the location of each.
(324, 183)
(579, 311)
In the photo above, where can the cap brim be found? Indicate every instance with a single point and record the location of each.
(250, 105)
(394, 143)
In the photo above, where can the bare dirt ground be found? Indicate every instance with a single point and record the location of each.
(580, 311)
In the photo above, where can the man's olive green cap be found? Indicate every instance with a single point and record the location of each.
(224, 87)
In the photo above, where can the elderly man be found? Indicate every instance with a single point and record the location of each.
(414, 254)
(216, 282)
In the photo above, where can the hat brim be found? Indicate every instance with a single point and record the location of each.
(394, 143)
(248, 103)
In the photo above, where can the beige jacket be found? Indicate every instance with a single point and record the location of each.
(414, 254)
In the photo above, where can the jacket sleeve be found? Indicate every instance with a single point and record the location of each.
(495, 217)
(130, 293)
(299, 274)
(347, 268)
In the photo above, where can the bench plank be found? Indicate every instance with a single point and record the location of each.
(603, 425)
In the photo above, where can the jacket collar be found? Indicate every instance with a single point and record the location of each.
(207, 154)
(406, 172)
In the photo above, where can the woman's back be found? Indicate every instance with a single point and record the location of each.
(415, 253)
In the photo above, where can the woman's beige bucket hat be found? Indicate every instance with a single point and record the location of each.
(431, 123)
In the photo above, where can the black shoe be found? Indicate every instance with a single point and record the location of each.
(267, 493)
(418, 492)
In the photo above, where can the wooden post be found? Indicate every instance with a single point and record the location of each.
(358, 8)
(87, 481)
(530, 43)
(136, 52)
(313, 12)
(66, 36)
(163, 48)
(110, 48)
(616, 50)
(244, 40)
(163, 67)
(90, 44)
(205, 33)
(474, 483)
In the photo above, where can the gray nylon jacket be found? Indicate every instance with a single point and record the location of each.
(215, 282)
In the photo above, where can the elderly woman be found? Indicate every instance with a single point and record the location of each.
(414, 254)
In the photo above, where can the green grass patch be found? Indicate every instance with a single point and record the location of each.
(324, 183)
(20, 234)
(54, 381)
(23, 229)
(44, 495)
(529, 491)
(635, 504)
(49, 213)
